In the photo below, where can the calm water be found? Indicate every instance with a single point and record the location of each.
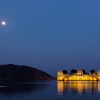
(51, 90)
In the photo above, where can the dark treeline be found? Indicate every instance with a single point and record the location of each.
(73, 71)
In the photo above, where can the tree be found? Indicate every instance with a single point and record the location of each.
(84, 72)
(92, 71)
(65, 71)
(73, 71)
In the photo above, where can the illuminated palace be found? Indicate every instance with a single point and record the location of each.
(78, 76)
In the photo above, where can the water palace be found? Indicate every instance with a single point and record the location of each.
(78, 76)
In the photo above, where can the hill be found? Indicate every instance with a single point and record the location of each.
(11, 72)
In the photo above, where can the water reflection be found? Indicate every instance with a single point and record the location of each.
(16, 88)
(78, 87)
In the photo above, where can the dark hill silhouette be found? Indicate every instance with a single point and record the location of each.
(13, 72)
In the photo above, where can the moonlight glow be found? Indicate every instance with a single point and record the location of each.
(3, 23)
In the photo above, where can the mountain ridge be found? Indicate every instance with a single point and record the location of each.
(12, 72)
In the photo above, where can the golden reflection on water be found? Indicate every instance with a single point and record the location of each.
(78, 86)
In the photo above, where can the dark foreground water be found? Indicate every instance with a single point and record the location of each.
(51, 90)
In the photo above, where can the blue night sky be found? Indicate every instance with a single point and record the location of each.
(51, 35)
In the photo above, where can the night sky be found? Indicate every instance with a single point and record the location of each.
(51, 35)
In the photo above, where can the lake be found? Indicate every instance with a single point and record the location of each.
(50, 90)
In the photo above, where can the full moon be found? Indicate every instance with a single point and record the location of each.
(3, 23)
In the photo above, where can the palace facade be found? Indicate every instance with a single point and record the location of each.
(78, 76)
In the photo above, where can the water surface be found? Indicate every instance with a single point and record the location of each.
(51, 90)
